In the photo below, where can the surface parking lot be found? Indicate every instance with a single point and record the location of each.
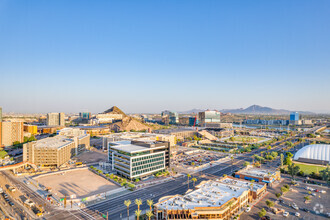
(318, 206)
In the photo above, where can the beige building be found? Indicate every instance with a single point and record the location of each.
(55, 151)
(54, 119)
(11, 132)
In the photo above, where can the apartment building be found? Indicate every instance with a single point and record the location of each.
(213, 199)
(11, 132)
(56, 151)
(55, 119)
(209, 118)
(136, 159)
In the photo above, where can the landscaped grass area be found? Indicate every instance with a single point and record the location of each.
(245, 139)
(3, 154)
(307, 169)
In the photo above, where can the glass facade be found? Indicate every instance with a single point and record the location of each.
(294, 116)
(212, 116)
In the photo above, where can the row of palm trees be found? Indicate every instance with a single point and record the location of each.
(194, 179)
(138, 202)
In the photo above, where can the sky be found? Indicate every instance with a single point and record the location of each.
(148, 56)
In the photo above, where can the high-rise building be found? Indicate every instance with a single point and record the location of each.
(12, 132)
(85, 115)
(173, 117)
(294, 116)
(209, 117)
(0, 127)
(55, 119)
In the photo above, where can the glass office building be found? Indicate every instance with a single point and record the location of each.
(135, 159)
(294, 116)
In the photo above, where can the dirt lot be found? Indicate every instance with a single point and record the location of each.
(82, 183)
(93, 156)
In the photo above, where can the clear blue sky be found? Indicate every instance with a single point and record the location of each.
(147, 56)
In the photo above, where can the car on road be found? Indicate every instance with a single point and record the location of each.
(323, 191)
(285, 214)
(297, 214)
(248, 209)
(313, 194)
(305, 210)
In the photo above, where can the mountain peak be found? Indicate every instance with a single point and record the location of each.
(114, 110)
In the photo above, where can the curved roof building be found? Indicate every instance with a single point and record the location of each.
(315, 153)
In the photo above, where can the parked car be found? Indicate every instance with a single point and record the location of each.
(323, 191)
(285, 214)
(313, 194)
(297, 214)
(248, 209)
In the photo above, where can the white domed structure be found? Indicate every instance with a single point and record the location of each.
(315, 153)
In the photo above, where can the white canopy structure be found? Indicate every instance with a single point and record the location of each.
(314, 152)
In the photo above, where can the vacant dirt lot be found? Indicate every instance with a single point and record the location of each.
(82, 183)
(92, 156)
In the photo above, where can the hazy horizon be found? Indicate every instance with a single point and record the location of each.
(149, 56)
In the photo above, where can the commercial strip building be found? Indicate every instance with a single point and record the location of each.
(212, 199)
(258, 174)
(136, 159)
(54, 119)
(11, 132)
(56, 151)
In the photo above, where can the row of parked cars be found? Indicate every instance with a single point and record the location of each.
(6, 197)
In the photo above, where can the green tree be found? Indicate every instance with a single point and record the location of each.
(289, 154)
(262, 213)
(246, 163)
(284, 190)
(278, 195)
(325, 174)
(127, 204)
(269, 203)
(293, 170)
(307, 198)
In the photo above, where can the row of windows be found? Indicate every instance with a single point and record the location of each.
(147, 170)
(148, 165)
(146, 157)
(148, 161)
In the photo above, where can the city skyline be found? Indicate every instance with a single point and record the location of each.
(58, 56)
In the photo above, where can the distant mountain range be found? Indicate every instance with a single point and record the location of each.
(252, 110)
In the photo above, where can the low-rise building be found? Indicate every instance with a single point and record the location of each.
(32, 129)
(180, 133)
(136, 159)
(56, 151)
(258, 174)
(212, 199)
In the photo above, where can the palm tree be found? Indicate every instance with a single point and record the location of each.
(232, 161)
(149, 214)
(150, 203)
(252, 183)
(137, 213)
(194, 180)
(138, 202)
(127, 203)
(188, 175)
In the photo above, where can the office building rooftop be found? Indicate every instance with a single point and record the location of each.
(53, 142)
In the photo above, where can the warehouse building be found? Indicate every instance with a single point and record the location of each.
(258, 174)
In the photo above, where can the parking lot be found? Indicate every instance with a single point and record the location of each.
(317, 208)
(189, 159)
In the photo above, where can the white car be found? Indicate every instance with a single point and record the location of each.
(323, 191)
(297, 214)
(314, 194)
(285, 214)
(248, 209)
(295, 207)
